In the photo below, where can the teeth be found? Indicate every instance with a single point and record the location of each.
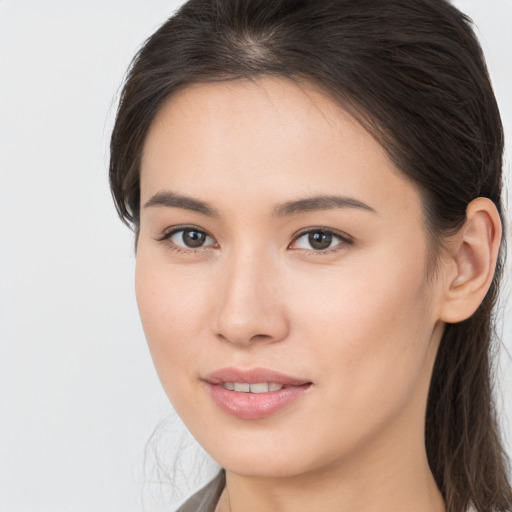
(244, 387)
(259, 388)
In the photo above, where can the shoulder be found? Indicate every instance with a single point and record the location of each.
(205, 500)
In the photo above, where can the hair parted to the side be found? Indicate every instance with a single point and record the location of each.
(413, 74)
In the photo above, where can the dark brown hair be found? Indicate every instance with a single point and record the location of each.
(412, 73)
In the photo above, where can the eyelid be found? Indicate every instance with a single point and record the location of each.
(171, 231)
(344, 238)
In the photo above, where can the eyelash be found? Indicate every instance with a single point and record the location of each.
(343, 239)
(166, 238)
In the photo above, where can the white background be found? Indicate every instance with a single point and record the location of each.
(78, 394)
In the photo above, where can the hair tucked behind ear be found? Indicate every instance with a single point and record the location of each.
(411, 72)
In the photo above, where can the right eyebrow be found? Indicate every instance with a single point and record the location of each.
(172, 200)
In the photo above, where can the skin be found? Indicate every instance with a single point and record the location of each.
(362, 321)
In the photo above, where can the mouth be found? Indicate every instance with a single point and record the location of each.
(258, 387)
(254, 394)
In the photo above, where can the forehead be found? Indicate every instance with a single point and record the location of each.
(269, 138)
(254, 112)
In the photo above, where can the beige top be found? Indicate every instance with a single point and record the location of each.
(206, 499)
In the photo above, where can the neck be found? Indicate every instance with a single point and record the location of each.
(386, 485)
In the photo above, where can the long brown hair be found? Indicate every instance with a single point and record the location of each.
(411, 72)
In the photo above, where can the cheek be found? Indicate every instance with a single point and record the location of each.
(369, 329)
(173, 309)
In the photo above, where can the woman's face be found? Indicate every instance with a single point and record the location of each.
(280, 247)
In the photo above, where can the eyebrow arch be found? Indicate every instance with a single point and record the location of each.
(172, 200)
(317, 203)
(296, 207)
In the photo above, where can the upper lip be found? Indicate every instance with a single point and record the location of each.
(253, 376)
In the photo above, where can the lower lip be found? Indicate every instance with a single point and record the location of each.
(254, 406)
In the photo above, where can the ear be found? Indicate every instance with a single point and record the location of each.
(473, 252)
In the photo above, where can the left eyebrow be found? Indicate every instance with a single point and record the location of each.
(312, 204)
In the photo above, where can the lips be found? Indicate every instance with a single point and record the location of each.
(254, 394)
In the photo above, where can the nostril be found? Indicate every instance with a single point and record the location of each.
(243, 335)
(244, 313)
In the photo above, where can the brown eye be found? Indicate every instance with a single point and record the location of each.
(319, 240)
(190, 238)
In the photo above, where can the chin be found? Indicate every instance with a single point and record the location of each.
(271, 454)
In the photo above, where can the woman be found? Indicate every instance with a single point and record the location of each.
(315, 191)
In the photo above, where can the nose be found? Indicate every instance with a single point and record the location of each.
(251, 306)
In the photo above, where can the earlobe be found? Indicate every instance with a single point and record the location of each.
(473, 253)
